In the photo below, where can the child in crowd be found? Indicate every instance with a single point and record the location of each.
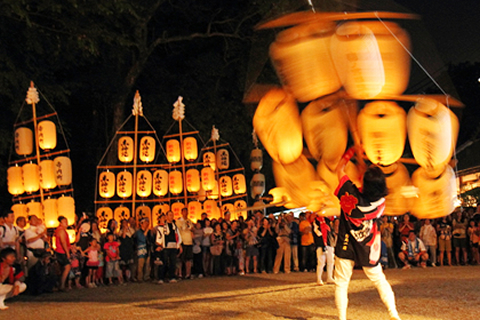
(92, 263)
(113, 259)
(76, 260)
(10, 276)
(100, 270)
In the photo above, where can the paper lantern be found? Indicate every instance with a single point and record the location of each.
(370, 61)
(383, 129)
(144, 183)
(125, 149)
(104, 214)
(173, 151)
(213, 194)
(208, 179)
(277, 124)
(329, 176)
(50, 212)
(239, 184)
(256, 160)
(35, 209)
(175, 182)
(23, 141)
(160, 183)
(432, 133)
(15, 180)
(195, 210)
(20, 210)
(280, 196)
(301, 56)
(226, 187)
(211, 209)
(257, 185)
(47, 175)
(227, 207)
(240, 206)
(177, 209)
(144, 212)
(157, 210)
(326, 129)
(147, 149)
(106, 184)
(209, 160)
(190, 148)
(47, 135)
(397, 178)
(66, 208)
(31, 177)
(63, 171)
(202, 195)
(124, 184)
(192, 180)
(322, 200)
(436, 196)
(223, 159)
(121, 213)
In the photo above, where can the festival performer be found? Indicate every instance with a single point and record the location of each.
(359, 239)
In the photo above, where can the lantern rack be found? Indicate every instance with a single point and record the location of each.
(45, 155)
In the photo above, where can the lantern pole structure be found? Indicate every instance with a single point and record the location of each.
(215, 138)
(136, 111)
(33, 99)
(178, 114)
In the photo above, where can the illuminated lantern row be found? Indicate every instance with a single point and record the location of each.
(23, 141)
(192, 180)
(125, 149)
(124, 184)
(47, 175)
(147, 149)
(175, 182)
(15, 180)
(223, 159)
(47, 135)
(144, 183)
(63, 171)
(106, 184)
(190, 148)
(209, 160)
(31, 177)
(121, 213)
(160, 183)
(256, 159)
(173, 151)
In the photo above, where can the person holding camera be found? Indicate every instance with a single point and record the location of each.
(283, 251)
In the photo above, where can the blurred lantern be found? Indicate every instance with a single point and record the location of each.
(225, 184)
(436, 196)
(23, 141)
(47, 135)
(147, 149)
(66, 208)
(257, 185)
(50, 213)
(256, 160)
(144, 212)
(124, 184)
(125, 149)
(160, 183)
(323, 119)
(397, 179)
(208, 179)
(209, 160)
(175, 182)
(277, 124)
(239, 183)
(31, 177)
(71, 235)
(432, 133)
(280, 196)
(329, 176)
(194, 210)
(190, 148)
(192, 180)
(240, 206)
(104, 214)
(35, 209)
(202, 195)
(106, 184)
(227, 207)
(322, 200)
(383, 130)
(211, 209)
(223, 159)
(20, 210)
(144, 183)
(121, 213)
(63, 171)
(301, 56)
(15, 180)
(370, 58)
(173, 151)
(177, 209)
(213, 194)
(47, 175)
(157, 210)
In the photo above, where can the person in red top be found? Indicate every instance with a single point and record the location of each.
(359, 239)
(10, 284)
(112, 252)
(62, 250)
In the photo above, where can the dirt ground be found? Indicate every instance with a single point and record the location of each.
(432, 293)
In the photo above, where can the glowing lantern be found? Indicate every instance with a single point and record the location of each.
(23, 141)
(223, 159)
(35, 209)
(208, 179)
(144, 212)
(124, 184)
(144, 183)
(209, 160)
(121, 213)
(329, 176)
(226, 188)
(104, 214)
(31, 177)
(173, 151)
(160, 183)
(323, 119)
(256, 160)
(15, 180)
(71, 235)
(190, 148)
(436, 196)
(211, 209)
(227, 207)
(432, 133)
(47, 175)
(106, 184)
(202, 195)
(278, 125)
(302, 59)
(397, 178)
(125, 149)
(322, 200)
(47, 135)
(280, 195)
(63, 171)
(50, 212)
(239, 184)
(175, 182)
(194, 210)
(257, 185)
(177, 209)
(240, 206)
(66, 208)
(213, 194)
(192, 180)
(383, 130)
(147, 149)
(20, 210)
(157, 210)
(370, 61)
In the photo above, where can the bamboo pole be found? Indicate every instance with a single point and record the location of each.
(37, 147)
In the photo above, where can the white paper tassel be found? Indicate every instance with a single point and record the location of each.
(32, 95)
(215, 134)
(178, 110)
(137, 105)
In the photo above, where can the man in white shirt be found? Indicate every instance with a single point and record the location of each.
(8, 232)
(413, 251)
(428, 234)
(185, 227)
(35, 237)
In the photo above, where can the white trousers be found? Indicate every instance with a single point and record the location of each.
(321, 257)
(343, 273)
(6, 291)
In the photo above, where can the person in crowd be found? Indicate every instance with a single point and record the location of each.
(284, 250)
(428, 235)
(35, 239)
(306, 242)
(62, 250)
(386, 230)
(21, 247)
(197, 250)
(126, 236)
(185, 227)
(112, 226)
(322, 237)
(10, 276)
(460, 241)
(413, 252)
(404, 227)
(112, 258)
(267, 239)
(92, 263)
(41, 276)
(232, 235)
(359, 239)
(172, 244)
(143, 259)
(8, 232)
(76, 263)
(158, 254)
(95, 231)
(206, 243)
(217, 249)
(251, 239)
(474, 238)
(444, 230)
(84, 233)
(294, 239)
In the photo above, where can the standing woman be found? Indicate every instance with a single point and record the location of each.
(62, 250)
(127, 250)
(405, 227)
(444, 240)
(267, 237)
(460, 224)
(218, 241)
